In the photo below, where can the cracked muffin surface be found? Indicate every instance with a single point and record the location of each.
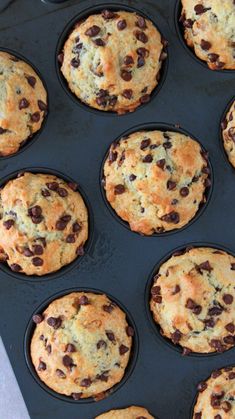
(216, 396)
(132, 412)
(193, 299)
(228, 133)
(112, 60)
(81, 344)
(43, 223)
(209, 30)
(156, 180)
(23, 103)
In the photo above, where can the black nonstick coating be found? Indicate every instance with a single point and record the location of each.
(74, 142)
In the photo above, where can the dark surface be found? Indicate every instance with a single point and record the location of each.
(119, 262)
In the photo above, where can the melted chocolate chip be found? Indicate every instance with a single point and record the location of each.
(53, 186)
(148, 158)
(176, 290)
(42, 106)
(99, 42)
(205, 45)
(144, 144)
(184, 191)
(108, 308)
(70, 238)
(123, 349)
(130, 331)
(228, 298)
(60, 373)
(171, 185)
(161, 163)
(121, 24)
(54, 322)
(172, 217)
(126, 75)
(217, 345)
(128, 60)
(37, 318)
(92, 31)
(48, 349)
(37, 261)
(213, 57)
(67, 361)
(167, 145)
(142, 52)
(42, 366)
(76, 227)
(86, 382)
(230, 327)
(119, 189)
(37, 249)
(229, 340)
(127, 93)
(35, 117)
(70, 348)
(141, 36)
(15, 267)
(62, 192)
(215, 311)
(145, 99)
(45, 193)
(80, 250)
(83, 300)
(216, 373)
(31, 80)
(202, 386)
(132, 177)
(110, 336)
(205, 266)
(101, 344)
(200, 9)
(108, 14)
(140, 62)
(176, 336)
(8, 224)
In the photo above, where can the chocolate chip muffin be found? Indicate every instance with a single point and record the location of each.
(216, 397)
(112, 60)
(156, 180)
(209, 30)
(193, 297)
(228, 133)
(81, 345)
(43, 223)
(132, 412)
(23, 103)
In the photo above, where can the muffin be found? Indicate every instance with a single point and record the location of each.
(23, 103)
(43, 223)
(132, 412)
(156, 180)
(81, 345)
(228, 133)
(112, 60)
(216, 397)
(209, 31)
(192, 299)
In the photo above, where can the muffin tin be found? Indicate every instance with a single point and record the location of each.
(117, 262)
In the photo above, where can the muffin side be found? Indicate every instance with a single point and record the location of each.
(132, 412)
(228, 133)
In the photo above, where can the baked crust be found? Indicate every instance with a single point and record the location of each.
(23, 103)
(193, 297)
(132, 412)
(228, 133)
(209, 30)
(43, 224)
(89, 350)
(119, 74)
(156, 180)
(216, 397)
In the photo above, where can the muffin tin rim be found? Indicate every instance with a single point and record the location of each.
(147, 296)
(221, 140)
(161, 126)
(30, 327)
(36, 135)
(179, 32)
(64, 270)
(68, 28)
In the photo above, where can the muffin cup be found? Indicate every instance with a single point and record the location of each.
(69, 28)
(180, 33)
(31, 327)
(64, 269)
(221, 140)
(156, 327)
(27, 142)
(151, 126)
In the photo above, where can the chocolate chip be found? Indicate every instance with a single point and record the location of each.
(37, 318)
(42, 106)
(70, 238)
(62, 222)
(231, 375)
(228, 298)
(27, 252)
(207, 183)
(167, 145)
(161, 163)
(53, 186)
(48, 349)
(127, 93)
(101, 344)
(142, 52)
(45, 193)
(99, 42)
(176, 290)
(121, 24)
(141, 23)
(224, 124)
(130, 331)
(108, 308)
(80, 250)
(103, 376)
(196, 309)
(92, 31)
(230, 327)
(37, 249)
(123, 349)
(144, 144)
(23, 103)
(229, 340)
(172, 217)
(215, 311)
(140, 62)
(216, 373)
(62, 192)
(35, 117)
(112, 156)
(60, 58)
(86, 382)
(157, 299)
(75, 62)
(206, 170)
(60, 373)
(205, 266)
(145, 99)
(198, 415)
(83, 300)
(126, 75)
(202, 386)
(73, 186)
(205, 45)
(76, 396)
(119, 189)
(70, 348)
(110, 336)
(219, 64)
(188, 23)
(217, 345)
(132, 177)
(128, 60)
(2, 130)
(186, 351)
(176, 336)
(141, 36)
(184, 191)
(209, 323)
(226, 406)
(8, 224)
(231, 133)
(199, 9)
(67, 361)
(42, 366)
(148, 158)
(31, 80)
(108, 14)
(232, 266)
(213, 57)
(54, 322)
(171, 185)
(15, 267)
